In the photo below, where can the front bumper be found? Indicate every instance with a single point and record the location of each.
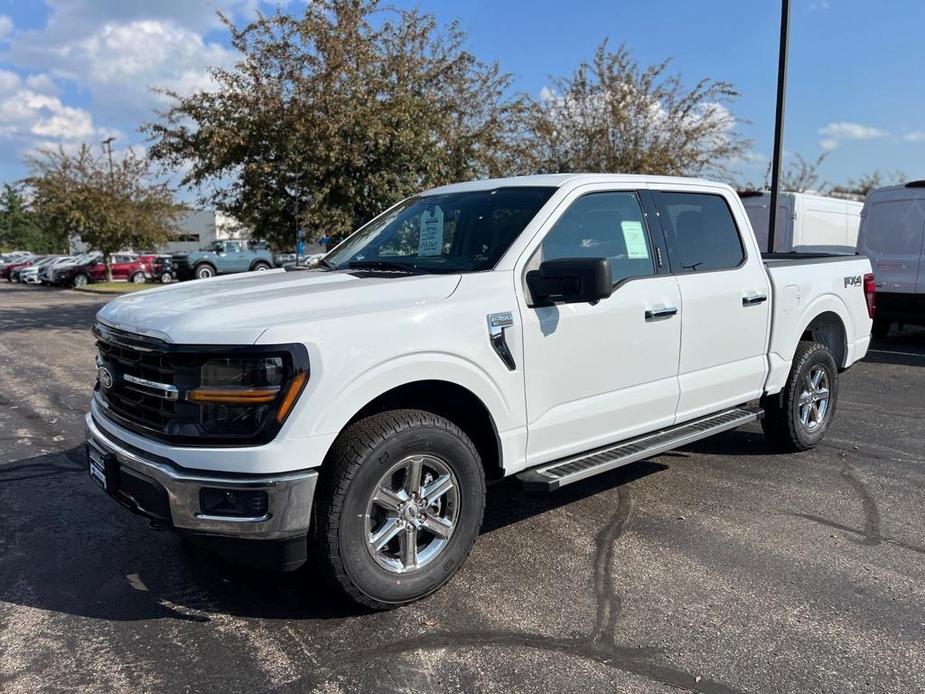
(157, 488)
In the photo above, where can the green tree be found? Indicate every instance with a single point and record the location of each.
(612, 115)
(20, 227)
(334, 115)
(111, 206)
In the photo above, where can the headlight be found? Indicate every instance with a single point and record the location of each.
(246, 395)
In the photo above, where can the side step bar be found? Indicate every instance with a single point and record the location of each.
(550, 476)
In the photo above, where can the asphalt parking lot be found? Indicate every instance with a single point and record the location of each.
(720, 567)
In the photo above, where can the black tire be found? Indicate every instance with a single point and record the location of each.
(138, 278)
(204, 271)
(881, 328)
(260, 266)
(166, 278)
(364, 452)
(782, 423)
(81, 280)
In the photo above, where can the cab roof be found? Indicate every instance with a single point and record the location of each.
(559, 180)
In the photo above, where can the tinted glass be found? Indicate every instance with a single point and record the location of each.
(603, 225)
(700, 232)
(457, 232)
(895, 228)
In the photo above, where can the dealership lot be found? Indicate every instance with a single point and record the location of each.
(719, 567)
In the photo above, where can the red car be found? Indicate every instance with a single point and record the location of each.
(131, 268)
(7, 269)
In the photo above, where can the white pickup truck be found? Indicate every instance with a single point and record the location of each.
(549, 327)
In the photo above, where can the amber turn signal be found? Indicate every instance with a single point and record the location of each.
(234, 396)
(292, 394)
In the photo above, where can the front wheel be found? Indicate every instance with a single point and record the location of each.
(399, 507)
(81, 280)
(798, 417)
(166, 278)
(205, 271)
(138, 278)
(260, 267)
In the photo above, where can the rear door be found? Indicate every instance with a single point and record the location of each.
(725, 299)
(893, 230)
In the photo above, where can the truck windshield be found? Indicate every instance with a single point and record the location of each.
(455, 232)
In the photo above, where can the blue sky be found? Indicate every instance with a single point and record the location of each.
(80, 70)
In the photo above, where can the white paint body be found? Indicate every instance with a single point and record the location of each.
(585, 376)
(806, 222)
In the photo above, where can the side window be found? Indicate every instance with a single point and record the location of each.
(895, 227)
(232, 247)
(603, 225)
(700, 232)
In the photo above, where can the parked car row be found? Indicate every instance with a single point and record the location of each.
(83, 269)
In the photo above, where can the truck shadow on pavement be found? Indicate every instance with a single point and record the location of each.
(69, 554)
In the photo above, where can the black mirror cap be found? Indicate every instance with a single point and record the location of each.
(571, 281)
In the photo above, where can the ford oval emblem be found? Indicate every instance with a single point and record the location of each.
(104, 376)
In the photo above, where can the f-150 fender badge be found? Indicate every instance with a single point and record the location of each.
(497, 322)
(854, 281)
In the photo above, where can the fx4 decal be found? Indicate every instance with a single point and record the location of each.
(854, 281)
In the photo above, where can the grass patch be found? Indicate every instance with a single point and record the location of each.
(114, 287)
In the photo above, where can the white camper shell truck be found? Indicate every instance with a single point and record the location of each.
(893, 237)
(805, 222)
(548, 327)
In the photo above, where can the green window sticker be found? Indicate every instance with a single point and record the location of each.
(635, 239)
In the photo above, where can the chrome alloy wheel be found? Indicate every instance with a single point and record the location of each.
(814, 398)
(412, 513)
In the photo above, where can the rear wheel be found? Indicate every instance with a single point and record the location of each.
(881, 328)
(81, 280)
(166, 278)
(399, 507)
(204, 271)
(260, 266)
(798, 417)
(138, 278)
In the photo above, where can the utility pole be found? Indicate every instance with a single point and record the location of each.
(779, 120)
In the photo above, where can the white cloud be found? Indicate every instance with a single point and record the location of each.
(915, 136)
(6, 26)
(828, 144)
(851, 131)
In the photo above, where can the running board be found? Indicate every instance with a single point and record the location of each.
(551, 476)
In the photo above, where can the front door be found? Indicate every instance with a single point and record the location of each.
(600, 373)
(725, 301)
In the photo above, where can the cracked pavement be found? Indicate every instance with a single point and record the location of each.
(719, 567)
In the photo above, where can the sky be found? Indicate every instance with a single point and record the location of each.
(75, 71)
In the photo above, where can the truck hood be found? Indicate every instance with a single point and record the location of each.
(236, 309)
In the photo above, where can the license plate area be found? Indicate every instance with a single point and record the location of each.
(102, 467)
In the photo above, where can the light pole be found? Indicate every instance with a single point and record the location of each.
(107, 145)
(779, 119)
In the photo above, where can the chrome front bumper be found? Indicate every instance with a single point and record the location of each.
(290, 495)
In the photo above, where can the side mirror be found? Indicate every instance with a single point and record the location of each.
(570, 281)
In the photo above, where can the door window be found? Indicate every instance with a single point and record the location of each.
(700, 232)
(603, 225)
(895, 228)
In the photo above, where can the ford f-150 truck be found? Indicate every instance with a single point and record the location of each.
(550, 327)
(222, 258)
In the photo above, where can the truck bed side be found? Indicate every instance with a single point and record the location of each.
(819, 294)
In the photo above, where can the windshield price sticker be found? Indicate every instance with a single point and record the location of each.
(635, 239)
(431, 239)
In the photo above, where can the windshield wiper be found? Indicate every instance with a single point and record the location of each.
(325, 263)
(383, 265)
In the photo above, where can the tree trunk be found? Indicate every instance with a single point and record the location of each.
(108, 267)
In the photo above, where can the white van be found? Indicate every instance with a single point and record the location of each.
(892, 236)
(805, 222)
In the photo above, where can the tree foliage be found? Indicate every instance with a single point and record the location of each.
(110, 207)
(858, 188)
(22, 229)
(612, 115)
(338, 113)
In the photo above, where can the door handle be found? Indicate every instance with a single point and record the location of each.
(664, 312)
(753, 299)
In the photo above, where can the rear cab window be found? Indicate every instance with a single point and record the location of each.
(700, 232)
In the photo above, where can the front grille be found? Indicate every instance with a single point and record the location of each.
(146, 359)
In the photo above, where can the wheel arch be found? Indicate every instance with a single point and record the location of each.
(828, 328)
(259, 261)
(448, 399)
